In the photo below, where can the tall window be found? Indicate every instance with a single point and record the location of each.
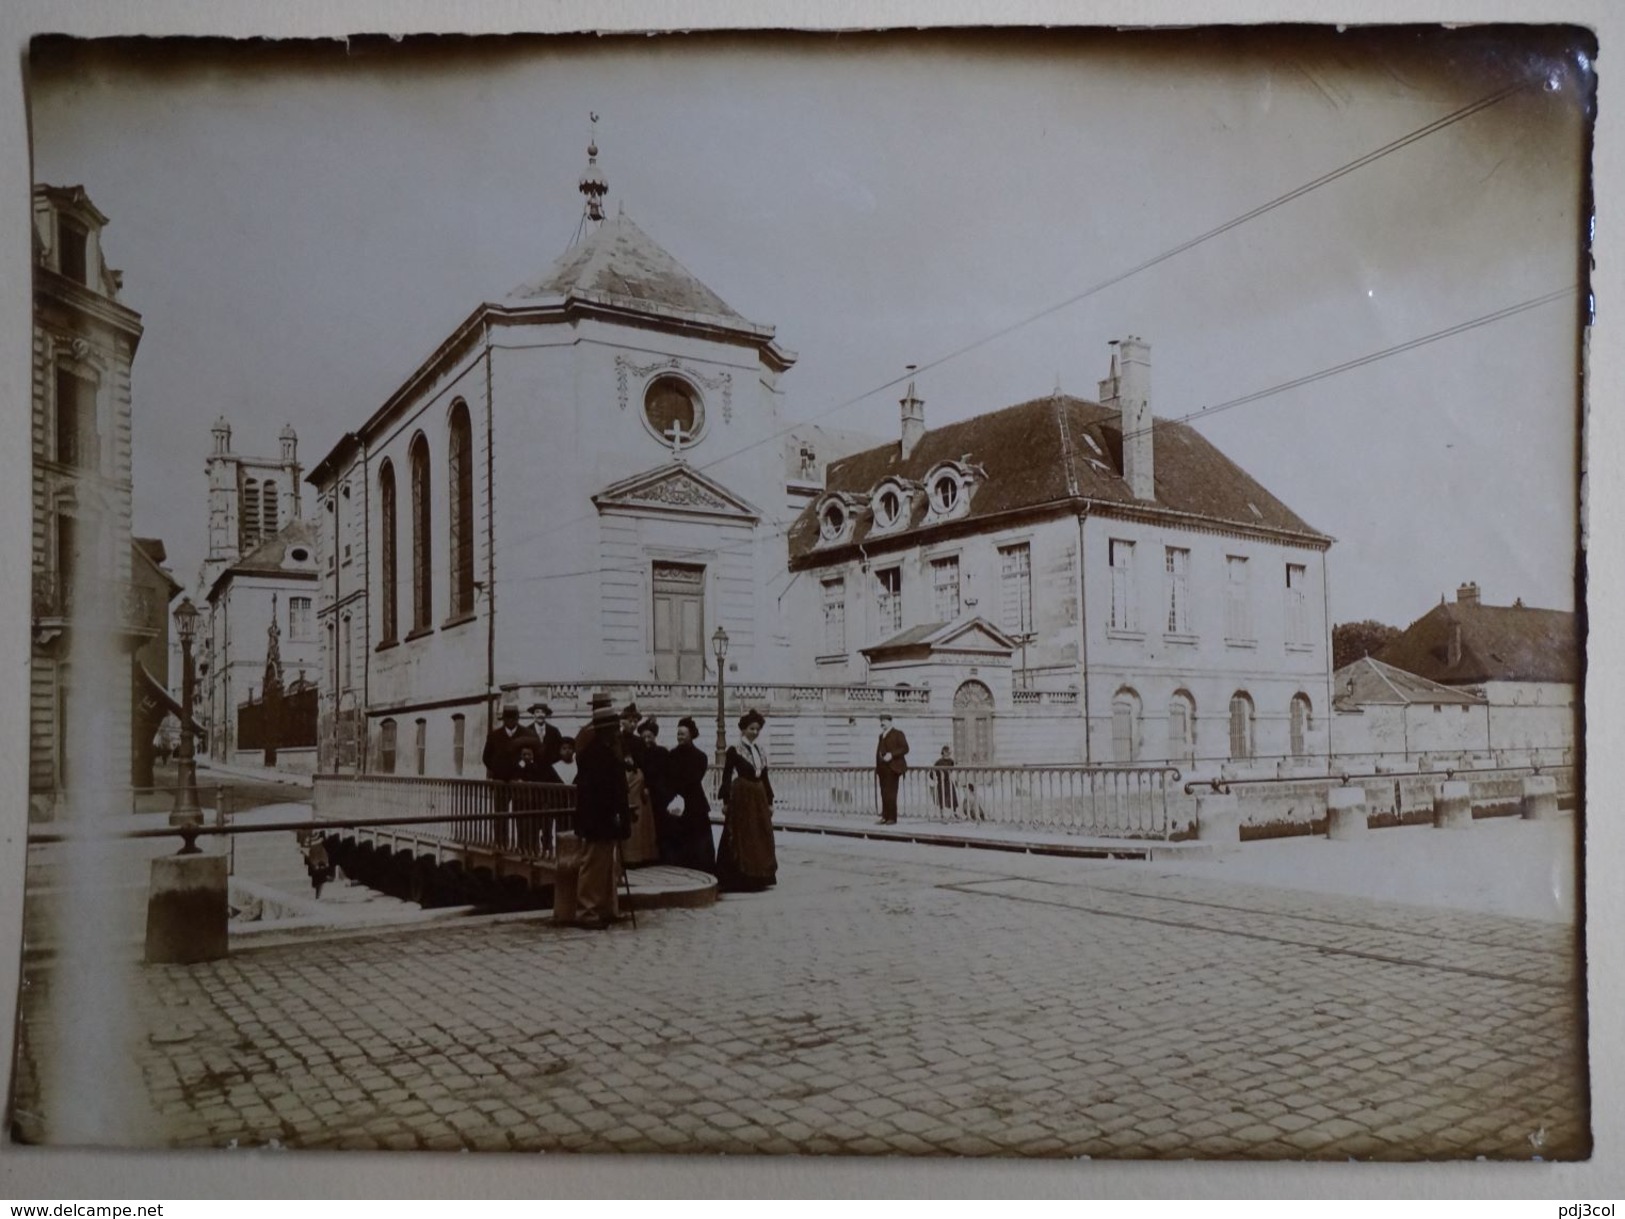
(300, 623)
(1177, 564)
(1238, 604)
(1016, 589)
(346, 652)
(269, 509)
(387, 594)
(248, 513)
(1241, 727)
(67, 558)
(460, 479)
(1302, 721)
(1126, 726)
(422, 590)
(420, 744)
(1181, 729)
(889, 598)
(386, 747)
(945, 588)
(77, 441)
(459, 728)
(73, 241)
(1297, 604)
(835, 616)
(1121, 556)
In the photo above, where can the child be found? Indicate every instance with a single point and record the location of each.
(970, 807)
(317, 865)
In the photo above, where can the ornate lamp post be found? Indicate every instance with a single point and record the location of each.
(719, 648)
(186, 810)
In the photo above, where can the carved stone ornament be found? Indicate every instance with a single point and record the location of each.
(682, 491)
(625, 370)
(80, 349)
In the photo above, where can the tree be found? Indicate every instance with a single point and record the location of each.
(1352, 640)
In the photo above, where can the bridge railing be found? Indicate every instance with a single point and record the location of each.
(479, 813)
(1129, 801)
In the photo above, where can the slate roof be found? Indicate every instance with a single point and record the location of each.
(1059, 451)
(621, 264)
(1368, 681)
(1498, 643)
(271, 555)
(928, 634)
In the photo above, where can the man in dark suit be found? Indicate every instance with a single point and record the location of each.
(501, 759)
(550, 736)
(891, 754)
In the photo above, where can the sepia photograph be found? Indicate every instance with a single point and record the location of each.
(1009, 594)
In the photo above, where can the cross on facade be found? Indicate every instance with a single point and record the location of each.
(677, 434)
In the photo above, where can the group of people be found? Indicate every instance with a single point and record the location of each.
(637, 801)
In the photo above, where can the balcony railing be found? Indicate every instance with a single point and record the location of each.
(127, 605)
(515, 818)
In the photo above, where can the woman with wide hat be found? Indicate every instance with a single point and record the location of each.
(746, 859)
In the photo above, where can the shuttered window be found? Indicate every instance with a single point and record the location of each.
(1016, 589)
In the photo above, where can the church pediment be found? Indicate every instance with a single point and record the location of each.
(678, 489)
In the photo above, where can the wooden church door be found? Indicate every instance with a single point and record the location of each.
(679, 622)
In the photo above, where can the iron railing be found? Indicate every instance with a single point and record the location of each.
(1110, 801)
(129, 604)
(500, 818)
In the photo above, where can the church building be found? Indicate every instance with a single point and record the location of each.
(585, 486)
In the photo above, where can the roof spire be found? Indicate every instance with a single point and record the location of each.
(594, 186)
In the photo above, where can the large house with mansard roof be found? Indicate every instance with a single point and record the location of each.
(591, 480)
(1071, 581)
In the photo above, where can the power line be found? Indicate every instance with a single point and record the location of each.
(1299, 192)
(1205, 412)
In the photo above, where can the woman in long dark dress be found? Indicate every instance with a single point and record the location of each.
(687, 841)
(746, 859)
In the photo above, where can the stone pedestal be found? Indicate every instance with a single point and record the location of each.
(1218, 820)
(186, 910)
(1539, 798)
(566, 875)
(1453, 806)
(1346, 813)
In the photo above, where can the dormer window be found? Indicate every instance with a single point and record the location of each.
(833, 520)
(947, 489)
(73, 241)
(891, 503)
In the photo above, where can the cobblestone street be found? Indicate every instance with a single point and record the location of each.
(891, 999)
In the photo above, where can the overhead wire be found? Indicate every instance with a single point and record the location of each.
(1314, 184)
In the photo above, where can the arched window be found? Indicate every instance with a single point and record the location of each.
(1302, 722)
(1126, 726)
(460, 478)
(422, 587)
(1182, 729)
(269, 508)
(248, 524)
(387, 596)
(1241, 726)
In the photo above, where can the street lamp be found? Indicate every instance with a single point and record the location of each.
(186, 810)
(719, 648)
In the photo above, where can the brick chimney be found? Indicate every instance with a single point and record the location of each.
(1128, 390)
(1467, 594)
(913, 409)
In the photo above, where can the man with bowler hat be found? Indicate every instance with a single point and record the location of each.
(550, 736)
(891, 753)
(501, 759)
(600, 821)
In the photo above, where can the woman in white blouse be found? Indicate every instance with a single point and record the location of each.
(746, 859)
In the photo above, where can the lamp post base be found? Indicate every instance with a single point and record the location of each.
(186, 810)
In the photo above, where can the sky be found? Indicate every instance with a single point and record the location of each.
(300, 225)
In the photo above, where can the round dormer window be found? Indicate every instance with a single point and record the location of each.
(888, 508)
(945, 492)
(299, 554)
(832, 520)
(672, 409)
